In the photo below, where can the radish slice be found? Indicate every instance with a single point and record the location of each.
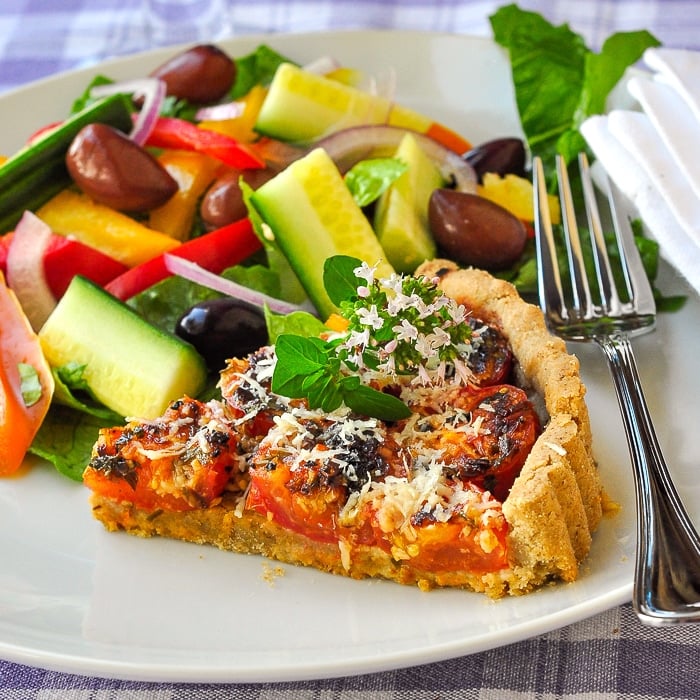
(349, 146)
(151, 90)
(25, 269)
(195, 273)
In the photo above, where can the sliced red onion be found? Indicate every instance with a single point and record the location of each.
(151, 90)
(228, 110)
(195, 273)
(322, 65)
(25, 269)
(349, 146)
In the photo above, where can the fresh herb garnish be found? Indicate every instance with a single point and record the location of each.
(370, 178)
(396, 327)
(256, 68)
(29, 383)
(558, 80)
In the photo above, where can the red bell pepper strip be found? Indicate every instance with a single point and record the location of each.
(215, 251)
(64, 258)
(170, 132)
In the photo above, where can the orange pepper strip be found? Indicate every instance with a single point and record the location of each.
(19, 423)
(73, 214)
(448, 138)
(193, 173)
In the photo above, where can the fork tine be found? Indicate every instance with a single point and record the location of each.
(548, 279)
(577, 270)
(606, 283)
(638, 286)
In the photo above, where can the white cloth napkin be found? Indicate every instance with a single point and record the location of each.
(653, 155)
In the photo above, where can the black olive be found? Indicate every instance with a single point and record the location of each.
(501, 156)
(223, 328)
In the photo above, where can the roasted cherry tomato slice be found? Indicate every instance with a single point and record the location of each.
(450, 546)
(304, 470)
(492, 359)
(485, 435)
(295, 500)
(179, 463)
(473, 538)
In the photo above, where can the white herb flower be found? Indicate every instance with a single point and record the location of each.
(370, 317)
(405, 331)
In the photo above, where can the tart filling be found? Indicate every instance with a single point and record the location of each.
(485, 481)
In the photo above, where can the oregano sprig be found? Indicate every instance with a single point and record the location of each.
(308, 368)
(400, 325)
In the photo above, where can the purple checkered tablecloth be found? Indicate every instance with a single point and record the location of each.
(607, 656)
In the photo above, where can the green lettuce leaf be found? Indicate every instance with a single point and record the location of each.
(66, 438)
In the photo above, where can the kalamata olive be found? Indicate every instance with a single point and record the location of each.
(502, 156)
(201, 74)
(472, 230)
(223, 328)
(223, 202)
(114, 170)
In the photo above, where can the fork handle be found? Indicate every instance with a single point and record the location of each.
(667, 571)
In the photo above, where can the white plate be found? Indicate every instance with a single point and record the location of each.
(74, 598)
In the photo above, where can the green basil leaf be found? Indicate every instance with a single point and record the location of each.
(256, 68)
(605, 69)
(297, 358)
(369, 402)
(538, 48)
(30, 385)
(297, 323)
(369, 179)
(578, 81)
(339, 278)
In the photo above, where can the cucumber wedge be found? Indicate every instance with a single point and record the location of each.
(131, 366)
(313, 216)
(401, 215)
(301, 107)
(37, 172)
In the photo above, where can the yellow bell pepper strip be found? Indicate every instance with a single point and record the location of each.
(241, 128)
(515, 194)
(21, 413)
(193, 173)
(74, 214)
(170, 132)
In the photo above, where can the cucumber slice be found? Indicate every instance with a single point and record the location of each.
(301, 107)
(131, 366)
(401, 215)
(313, 216)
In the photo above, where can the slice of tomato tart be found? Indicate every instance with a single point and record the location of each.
(483, 478)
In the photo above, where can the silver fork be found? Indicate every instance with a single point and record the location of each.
(667, 570)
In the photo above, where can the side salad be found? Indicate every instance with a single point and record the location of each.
(193, 209)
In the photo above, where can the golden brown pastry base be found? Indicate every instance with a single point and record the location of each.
(553, 507)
